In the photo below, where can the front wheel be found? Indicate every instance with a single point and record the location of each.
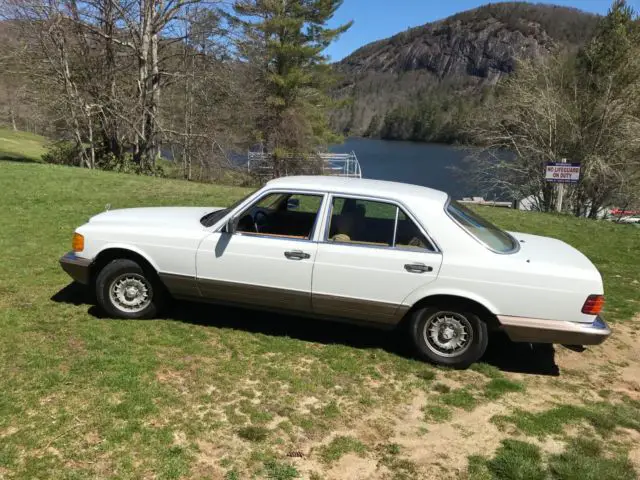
(448, 335)
(125, 290)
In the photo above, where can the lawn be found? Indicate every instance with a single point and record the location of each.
(21, 146)
(211, 392)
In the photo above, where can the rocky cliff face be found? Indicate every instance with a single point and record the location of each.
(465, 52)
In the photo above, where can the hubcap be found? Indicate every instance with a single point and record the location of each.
(448, 334)
(130, 293)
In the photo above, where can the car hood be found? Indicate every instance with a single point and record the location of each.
(554, 253)
(163, 216)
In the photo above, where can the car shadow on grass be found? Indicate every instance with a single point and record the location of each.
(502, 353)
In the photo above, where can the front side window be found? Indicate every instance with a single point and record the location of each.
(483, 230)
(281, 214)
(374, 223)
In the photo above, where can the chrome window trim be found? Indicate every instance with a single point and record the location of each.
(515, 249)
(398, 204)
(325, 206)
(395, 227)
(260, 194)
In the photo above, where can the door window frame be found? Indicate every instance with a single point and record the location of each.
(241, 209)
(324, 228)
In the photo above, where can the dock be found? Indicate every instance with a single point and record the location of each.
(333, 164)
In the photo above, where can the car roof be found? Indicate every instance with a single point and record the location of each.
(361, 186)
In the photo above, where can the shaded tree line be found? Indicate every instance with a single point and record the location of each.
(436, 116)
(125, 83)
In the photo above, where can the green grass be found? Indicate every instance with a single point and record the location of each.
(280, 471)
(587, 459)
(84, 397)
(487, 370)
(21, 146)
(461, 398)
(604, 417)
(517, 460)
(339, 447)
(498, 387)
(582, 459)
(253, 434)
(437, 413)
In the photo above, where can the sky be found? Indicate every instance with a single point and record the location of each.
(377, 19)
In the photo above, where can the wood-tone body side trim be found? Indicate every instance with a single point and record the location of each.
(289, 301)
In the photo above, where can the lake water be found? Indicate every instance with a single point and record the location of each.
(425, 164)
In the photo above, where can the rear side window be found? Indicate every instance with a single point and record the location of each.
(374, 223)
(494, 238)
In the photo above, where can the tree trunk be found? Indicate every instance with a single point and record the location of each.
(154, 134)
(13, 119)
(142, 140)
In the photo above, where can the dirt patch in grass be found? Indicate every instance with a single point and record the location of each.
(634, 458)
(433, 443)
(612, 366)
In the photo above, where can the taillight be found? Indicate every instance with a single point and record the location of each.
(593, 305)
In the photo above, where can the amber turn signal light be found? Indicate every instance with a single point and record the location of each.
(77, 244)
(593, 305)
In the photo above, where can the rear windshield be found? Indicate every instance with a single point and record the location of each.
(487, 233)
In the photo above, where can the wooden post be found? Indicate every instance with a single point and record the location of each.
(560, 192)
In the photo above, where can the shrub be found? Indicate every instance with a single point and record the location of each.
(62, 153)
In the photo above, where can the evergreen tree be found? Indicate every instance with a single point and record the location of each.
(610, 58)
(608, 72)
(285, 40)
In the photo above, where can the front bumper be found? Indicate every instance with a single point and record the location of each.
(535, 330)
(76, 267)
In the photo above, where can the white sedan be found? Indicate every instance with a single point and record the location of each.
(366, 251)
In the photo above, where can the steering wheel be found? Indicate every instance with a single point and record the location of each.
(259, 218)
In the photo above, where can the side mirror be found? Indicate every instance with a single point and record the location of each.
(231, 226)
(293, 204)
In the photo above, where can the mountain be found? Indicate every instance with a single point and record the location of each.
(449, 65)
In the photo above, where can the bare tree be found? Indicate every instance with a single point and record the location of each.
(540, 116)
(584, 108)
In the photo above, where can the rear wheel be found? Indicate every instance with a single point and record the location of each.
(125, 290)
(449, 335)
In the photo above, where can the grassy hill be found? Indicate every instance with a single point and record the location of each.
(21, 146)
(210, 392)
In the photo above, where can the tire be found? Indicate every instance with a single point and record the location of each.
(450, 325)
(125, 290)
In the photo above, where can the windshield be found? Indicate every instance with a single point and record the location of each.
(211, 218)
(487, 233)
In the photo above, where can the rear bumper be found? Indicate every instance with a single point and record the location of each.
(76, 267)
(535, 330)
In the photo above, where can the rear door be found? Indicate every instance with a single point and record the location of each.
(371, 256)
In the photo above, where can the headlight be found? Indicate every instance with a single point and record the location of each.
(77, 244)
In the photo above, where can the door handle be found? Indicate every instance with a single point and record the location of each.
(296, 255)
(417, 268)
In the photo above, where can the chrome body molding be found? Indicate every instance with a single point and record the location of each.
(536, 330)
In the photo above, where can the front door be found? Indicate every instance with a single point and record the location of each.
(268, 260)
(372, 257)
